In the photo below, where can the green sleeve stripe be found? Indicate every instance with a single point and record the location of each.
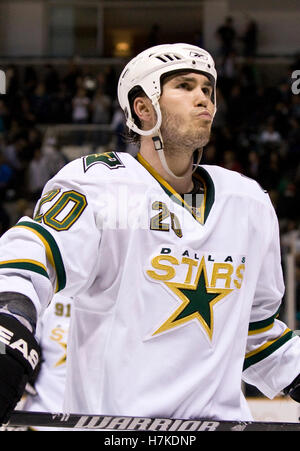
(52, 251)
(29, 266)
(263, 323)
(267, 349)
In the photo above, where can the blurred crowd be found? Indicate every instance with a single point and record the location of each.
(256, 129)
(36, 97)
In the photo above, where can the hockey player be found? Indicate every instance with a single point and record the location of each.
(173, 267)
(47, 394)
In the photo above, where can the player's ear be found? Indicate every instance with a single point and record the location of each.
(144, 110)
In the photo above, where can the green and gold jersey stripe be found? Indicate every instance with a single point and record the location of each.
(29, 265)
(205, 179)
(52, 251)
(258, 327)
(267, 349)
(46, 198)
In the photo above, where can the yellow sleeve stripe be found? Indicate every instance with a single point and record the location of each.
(28, 265)
(260, 331)
(52, 251)
(267, 349)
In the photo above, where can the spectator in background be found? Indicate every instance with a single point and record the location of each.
(249, 39)
(12, 81)
(288, 203)
(210, 154)
(34, 140)
(60, 105)
(230, 161)
(80, 112)
(236, 107)
(295, 106)
(70, 78)
(27, 118)
(154, 37)
(89, 83)
(38, 174)
(245, 106)
(30, 80)
(271, 170)
(293, 143)
(119, 127)
(14, 157)
(12, 153)
(249, 77)
(4, 117)
(4, 220)
(227, 37)
(228, 73)
(40, 104)
(80, 107)
(13, 131)
(100, 111)
(6, 176)
(51, 79)
(253, 165)
(284, 92)
(282, 119)
(110, 81)
(22, 207)
(54, 157)
(100, 107)
(269, 134)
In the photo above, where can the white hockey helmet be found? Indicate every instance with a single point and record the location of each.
(145, 71)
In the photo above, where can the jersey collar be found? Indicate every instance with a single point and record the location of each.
(201, 213)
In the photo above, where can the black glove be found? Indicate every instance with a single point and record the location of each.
(19, 357)
(293, 390)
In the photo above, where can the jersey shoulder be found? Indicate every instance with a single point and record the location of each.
(234, 183)
(100, 167)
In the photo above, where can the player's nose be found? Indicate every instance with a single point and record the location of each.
(200, 98)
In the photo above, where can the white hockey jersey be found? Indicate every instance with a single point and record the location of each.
(172, 305)
(52, 335)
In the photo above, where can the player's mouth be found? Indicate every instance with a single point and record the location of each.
(203, 116)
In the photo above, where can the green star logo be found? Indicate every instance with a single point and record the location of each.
(63, 359)
(198, 301)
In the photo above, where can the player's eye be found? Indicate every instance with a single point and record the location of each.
(184, 85)
(207, 91)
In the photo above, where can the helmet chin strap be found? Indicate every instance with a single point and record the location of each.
(157, 139)
(158, 145)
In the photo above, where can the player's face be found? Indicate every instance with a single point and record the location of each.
(187, 110)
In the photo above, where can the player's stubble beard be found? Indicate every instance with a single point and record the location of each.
(181, 142)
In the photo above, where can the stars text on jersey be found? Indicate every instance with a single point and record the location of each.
(188, 280)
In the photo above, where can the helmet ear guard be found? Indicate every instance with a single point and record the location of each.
(145, 72)
(132, 125)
